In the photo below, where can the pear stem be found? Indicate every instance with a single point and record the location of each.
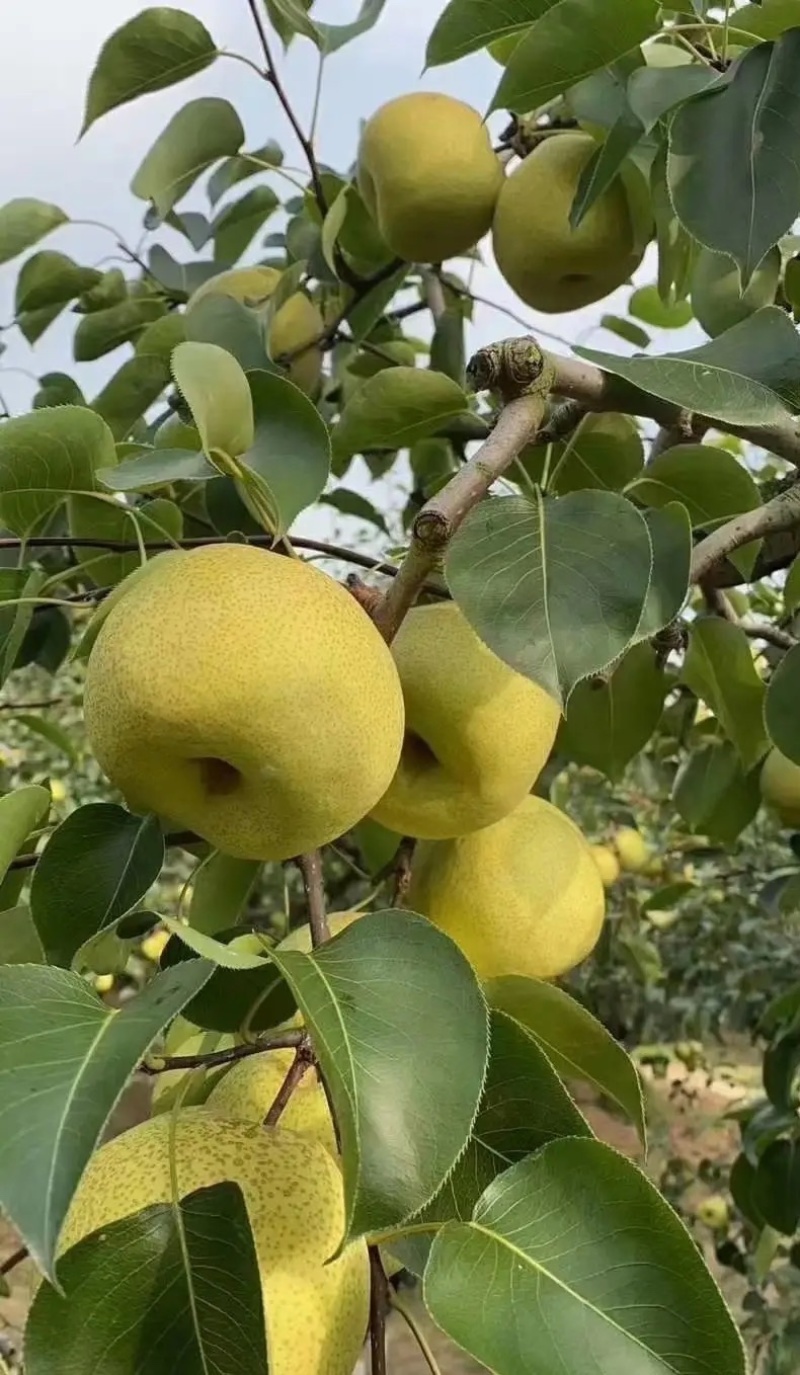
(284, 1040)
(310, 867)
(303, 1059)
(378, 1305)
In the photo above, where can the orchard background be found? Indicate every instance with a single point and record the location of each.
(668, 422)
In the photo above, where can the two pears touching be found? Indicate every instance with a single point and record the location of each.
(432, 182)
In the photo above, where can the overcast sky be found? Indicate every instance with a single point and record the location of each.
(47, 52)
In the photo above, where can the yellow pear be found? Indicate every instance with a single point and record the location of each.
(477, 734)
(632, 849)
(428, 176)
(780, 787)
(300, 937)
(607, 864)
(222, 692)
(188, 1086)
(315, 1308)
(297, 322)
(249, 1088)
(521, 897)
(549, 265)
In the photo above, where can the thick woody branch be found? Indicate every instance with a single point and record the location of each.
(779, 514)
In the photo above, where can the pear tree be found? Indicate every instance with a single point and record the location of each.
(594, 545)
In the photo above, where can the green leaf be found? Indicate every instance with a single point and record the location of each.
(235, 226)
(626, 329)
(236, 169)
(364, 314)
(716, 798)
(747, 376)
(20, 813)
(291, 450)
(46, 454)
(573, 1261)
(676, 248)
(375, 999)
(742, 201)
(646, 304)
(157, 48)
(710, 482)
(776, 1186)
(161, 338)
(608, 724)
(24, 222)
(578, 1046)
(604, 453)
(791, 588)
(781, 706)
(671, 541)
(569, 41)
(19, 942)
(718, 301)
(354, 504)
(220, 889)
(218, 395)
(396, 407)
(332, 37)
(57, 389)
(91, 519)
(654, 91)
(157, 468)
(104, 330)
(131, 392)
(179, 280)
(555, 588)
(190, 1275)
(197, 136)
(108, 291)
(719, 669)
(64, 1061)
(33, 323)
(50, 279)
(17, 588)
(96, 866)
(604, 165)
(447, 345)
(220, 952)
(252, 995)
(227, 323)
(767, 18)
(50, 731)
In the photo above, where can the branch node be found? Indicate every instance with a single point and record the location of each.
(431, 529)
(511, 368)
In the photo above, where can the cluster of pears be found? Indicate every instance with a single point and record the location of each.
(627, 851)
(432, 182)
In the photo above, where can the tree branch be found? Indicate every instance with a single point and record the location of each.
(174, 838)
(378, 1305)
(779, 514)
(16, 1258)
(310, 867)
(717, 602)
(284, 1040)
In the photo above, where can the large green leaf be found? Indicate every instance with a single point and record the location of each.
(49, 279)
(292, 18)
(250, 994)
(671, 541)
(155, 49)
(781, 706)
(157, 468)
(45, 455)
(239, 168)
(719, 669)
(605, 452)
(776, 1186)
(395, 408)
(193, 1306)
(710, 482)
(64, 1061)
(218, 319)
(555, 588)
(375, 999)
(747, 376)
(131, 392)
(220, 889)
(104, 330)
(607, 724)
(96, 866)
(218, 395)
(732, 170)
(24, 222)
(19, 943)
(569, 41)
(197, 136)
(464, 26)
(574, 1262)
(291, 450)
(20, 813)
(714, 795)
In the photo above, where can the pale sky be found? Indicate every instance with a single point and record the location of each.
(47, 52)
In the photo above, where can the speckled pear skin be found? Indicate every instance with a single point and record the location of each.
(316, 1313)
(248, 1091)
(477, 734)
(248, 698)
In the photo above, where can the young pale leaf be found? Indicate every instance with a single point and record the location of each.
(395, 408)
(20, 813)
(157, 468)
(555, 588)
(375, 999)
(189, 1273)
(96, 866)
(64, 1061)
(157, 48)
(608, 724)
(24, 222)
(217, 394)
(780, 707)
(44, 455)
(569, 40)
(577, 1045)
(220, 888)
(747, 376)
(49, 279)
(741, 203)
(719, 669)
(197, 136)
(573, 1261)
(221, 953)
(646, 304)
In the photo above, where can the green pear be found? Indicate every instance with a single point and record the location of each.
(428, 175)
(315, 1308)
(551, 266)
(225, 695)
(477, 734)
(521, 897)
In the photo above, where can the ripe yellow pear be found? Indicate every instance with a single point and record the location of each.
(248, 1090)
(521, 897)
(222, 691)
(315, 1312)
(632, 849)
(780, 787)
(477, 734)
(428, 176)
(297, 322)
(549, 265)
(607, 864)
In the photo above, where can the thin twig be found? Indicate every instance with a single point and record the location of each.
(174, 838)
(378, 1304)
(434, 293)
(16, 1258)
(716, 601)
(401, 872)
(32, 706)
(302, 1062)
(781, 513)
(284, 1040)
(310, 867)
(410, 1319)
